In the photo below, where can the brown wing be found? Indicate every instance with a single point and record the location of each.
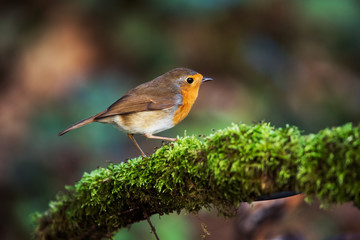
(133, 103)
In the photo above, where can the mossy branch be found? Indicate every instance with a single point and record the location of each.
(238, 164)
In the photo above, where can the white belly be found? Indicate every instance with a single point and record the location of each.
(148, 122)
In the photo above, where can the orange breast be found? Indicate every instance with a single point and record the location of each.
(189, 95)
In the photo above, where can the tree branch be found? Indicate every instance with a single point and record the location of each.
(238, 164)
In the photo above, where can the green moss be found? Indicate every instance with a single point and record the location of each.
(329, 167)
(236, 164)
(249, 161)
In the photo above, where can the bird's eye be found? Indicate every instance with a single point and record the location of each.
(190, 80)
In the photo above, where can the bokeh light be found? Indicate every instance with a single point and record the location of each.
(286, 62)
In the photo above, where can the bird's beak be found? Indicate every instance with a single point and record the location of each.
(206, 79)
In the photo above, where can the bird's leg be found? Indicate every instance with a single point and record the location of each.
(158, 137)
(136, 144)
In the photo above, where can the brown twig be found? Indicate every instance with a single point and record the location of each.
(151, 225)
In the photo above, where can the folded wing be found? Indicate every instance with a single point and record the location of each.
(132, 103)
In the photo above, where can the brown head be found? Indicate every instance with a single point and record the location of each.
(185, 82)
(182, 77)
(172, 81)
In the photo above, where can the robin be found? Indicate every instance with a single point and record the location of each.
(153, 106)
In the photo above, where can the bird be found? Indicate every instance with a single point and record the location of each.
(153, 106)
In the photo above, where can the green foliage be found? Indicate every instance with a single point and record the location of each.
(236, 164)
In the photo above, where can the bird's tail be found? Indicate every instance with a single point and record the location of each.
(81, 123)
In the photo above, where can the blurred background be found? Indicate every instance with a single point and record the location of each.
(286, 62)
